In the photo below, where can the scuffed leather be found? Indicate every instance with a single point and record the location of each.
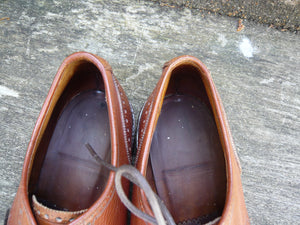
(108, 209)
(235, 211)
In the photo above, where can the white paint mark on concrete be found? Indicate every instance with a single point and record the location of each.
(48, 50)
(50, 16)
(214, 52)
(267, 81)
(283, 120)
(28, 47)
(2, 108)
(246, 48)
(291, 2)
(223, 41)
(5, 91)
(288, 83)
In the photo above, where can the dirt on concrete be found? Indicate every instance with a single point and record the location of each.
(281, 14)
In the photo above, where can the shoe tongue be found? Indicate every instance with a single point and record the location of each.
(47, 216)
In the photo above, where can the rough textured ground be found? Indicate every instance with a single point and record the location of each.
(256, 72)
(282, 14)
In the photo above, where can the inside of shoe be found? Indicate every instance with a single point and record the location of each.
(64, 175)
(187, 165)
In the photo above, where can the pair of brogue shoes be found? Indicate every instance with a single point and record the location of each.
(183, 149)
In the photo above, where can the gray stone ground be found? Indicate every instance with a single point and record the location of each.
(256, 72)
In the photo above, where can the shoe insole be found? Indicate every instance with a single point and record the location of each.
(70, 178)
(187, 161)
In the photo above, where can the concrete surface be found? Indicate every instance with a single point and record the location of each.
(256, 72)
(282, 14)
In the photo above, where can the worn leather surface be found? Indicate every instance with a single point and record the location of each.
(234, 211)
(107, 209)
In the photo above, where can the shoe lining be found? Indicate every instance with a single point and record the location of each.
(187, 160)
(70, 179)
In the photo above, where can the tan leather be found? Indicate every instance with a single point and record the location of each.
(234, 211)
(45, 215)
(107, 209)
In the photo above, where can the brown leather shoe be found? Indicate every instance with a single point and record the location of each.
(185, 149)
(61, 182)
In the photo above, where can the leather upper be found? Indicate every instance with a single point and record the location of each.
(103, 211)
(235, 211)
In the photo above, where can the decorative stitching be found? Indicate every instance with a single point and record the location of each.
(55, 211)
(198, 221)
(151, 100)
(53, 215)
(123, 111)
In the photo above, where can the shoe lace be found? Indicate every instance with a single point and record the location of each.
(162, 215)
